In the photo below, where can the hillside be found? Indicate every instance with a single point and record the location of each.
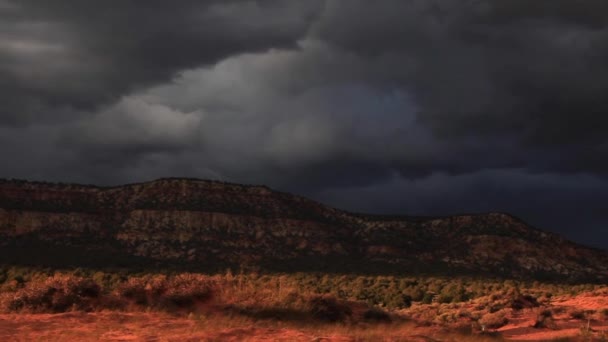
(205, 225)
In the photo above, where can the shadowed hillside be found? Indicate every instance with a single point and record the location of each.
(208, 226)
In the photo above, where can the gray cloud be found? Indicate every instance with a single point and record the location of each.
(69, 55)
(572, 205)
(419, 107)
(532, 73)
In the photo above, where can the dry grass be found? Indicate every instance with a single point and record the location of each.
(158, 326)
(58, 293)
(250, 307)
(494, 320)
(159, 291)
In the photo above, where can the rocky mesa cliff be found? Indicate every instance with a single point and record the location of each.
(208, 225)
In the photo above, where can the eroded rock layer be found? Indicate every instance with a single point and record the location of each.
(212, 225)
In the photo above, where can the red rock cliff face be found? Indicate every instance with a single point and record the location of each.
(202, 223)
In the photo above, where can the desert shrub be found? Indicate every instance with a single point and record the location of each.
(494, 320)
(376, 315)
(558, 310)
(398, 301)
(578, 314)
(406, 301)
(545, 320)
(55, 294)
(416, 294)
(187, 289)
(134, 289)
(476, 315)
(445, 298)
(454, 293)
(428, 298)
(328, 308)
(495, 308)
(176, 291)
(587, 334)
(179, 290)
(10, 286)
(524, 302)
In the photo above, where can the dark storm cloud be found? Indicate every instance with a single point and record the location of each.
(64, 55)
(572, 205)
(419, 107)
(535, 73)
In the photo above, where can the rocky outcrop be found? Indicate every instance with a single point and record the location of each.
(213, 225)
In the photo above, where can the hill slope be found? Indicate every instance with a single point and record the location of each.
(212, 225)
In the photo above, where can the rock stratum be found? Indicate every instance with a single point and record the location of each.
(209, 226)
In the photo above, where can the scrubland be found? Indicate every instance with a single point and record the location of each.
(51, 305)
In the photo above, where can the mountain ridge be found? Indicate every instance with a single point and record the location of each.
(386, 217)
(201, 223)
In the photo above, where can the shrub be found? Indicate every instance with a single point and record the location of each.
(55, 294)
(524, 302)
(399, 301)
(376, 315)
(445, 298)
(416, 294)
(327, 308)
(428, 298)
(545, 320)
(578, 314)
(495, 308)
(494, 320)
(187, 289)
(181, 290)
(134, 289)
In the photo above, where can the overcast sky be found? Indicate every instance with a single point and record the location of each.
(419, 107)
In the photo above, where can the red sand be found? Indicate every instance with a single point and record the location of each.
(155, 326)
(521, 324)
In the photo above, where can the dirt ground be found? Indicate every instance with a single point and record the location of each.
(521, 324)
(152, 327)
(159, 326)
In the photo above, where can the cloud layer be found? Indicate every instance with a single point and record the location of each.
(411, 107)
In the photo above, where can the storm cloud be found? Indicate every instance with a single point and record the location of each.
(421, 107)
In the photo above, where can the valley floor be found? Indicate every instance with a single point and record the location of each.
(114, 326)
(209, 326)
(57, 306)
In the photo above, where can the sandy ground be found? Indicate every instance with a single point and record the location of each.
(152, 327)
(111, 326)
(521, 323)
(158, 326)
(523, 330)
